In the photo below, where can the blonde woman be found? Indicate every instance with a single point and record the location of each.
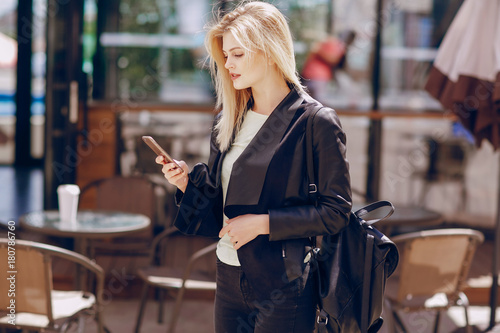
(253, 193)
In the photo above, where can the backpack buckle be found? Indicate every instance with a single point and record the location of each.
(322, 320)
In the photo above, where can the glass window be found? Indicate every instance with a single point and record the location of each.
(8, 61)
(412, 32)
(152, 51)
(9, 39)
(38, 60)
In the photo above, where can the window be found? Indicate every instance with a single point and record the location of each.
(152, 51)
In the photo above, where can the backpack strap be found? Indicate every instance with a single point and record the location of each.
(366, 283)
(374, 206)
(311, 178)
(313, 188)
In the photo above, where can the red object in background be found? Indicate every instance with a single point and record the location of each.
(323, 59)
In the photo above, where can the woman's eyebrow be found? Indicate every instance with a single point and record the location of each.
(236, 47)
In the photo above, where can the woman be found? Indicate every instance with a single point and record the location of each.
(253, 193)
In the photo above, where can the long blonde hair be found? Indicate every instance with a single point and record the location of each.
(259, 27)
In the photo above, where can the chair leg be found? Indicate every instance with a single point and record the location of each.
(398, 321)
(99, 320)
(436, 322)
(81, 324)
(464, 301)
(66, 325)
(176, 310)
(144, 298)
(160, 306)
(389, 319)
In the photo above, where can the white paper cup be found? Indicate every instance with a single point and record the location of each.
(68, 202)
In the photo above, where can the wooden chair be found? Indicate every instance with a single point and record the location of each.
(37, 306)
(432, 272)
(194, 275)
(136, 194)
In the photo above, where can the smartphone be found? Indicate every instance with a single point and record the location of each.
(159, 150)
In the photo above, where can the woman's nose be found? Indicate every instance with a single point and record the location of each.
(228, 64)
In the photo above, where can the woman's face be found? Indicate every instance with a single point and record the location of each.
(246, 70)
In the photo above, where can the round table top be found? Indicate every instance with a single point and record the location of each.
(89, 224)
(408, 216)
(413, 216)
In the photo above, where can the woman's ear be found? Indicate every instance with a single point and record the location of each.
(270, 61)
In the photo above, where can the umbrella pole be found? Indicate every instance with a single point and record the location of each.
(494, 270)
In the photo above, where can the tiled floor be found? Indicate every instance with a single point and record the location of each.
(120, 317)
(197, 317)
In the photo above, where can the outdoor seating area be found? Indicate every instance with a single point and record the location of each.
(178, 310)
(88, 242)
(151, 291)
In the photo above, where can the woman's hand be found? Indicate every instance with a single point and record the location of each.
(244, 228)
(174, 175)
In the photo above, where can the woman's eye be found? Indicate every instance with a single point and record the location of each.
(238, 55)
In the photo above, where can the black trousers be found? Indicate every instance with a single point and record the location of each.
(287, 310)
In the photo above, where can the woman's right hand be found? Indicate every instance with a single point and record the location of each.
(173, 174)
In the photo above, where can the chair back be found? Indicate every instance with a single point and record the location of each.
(434, 261)
(130, 194)
(33, 286)
(28, 281)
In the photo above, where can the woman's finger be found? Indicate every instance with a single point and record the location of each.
(223, 231)
(183, 165)
(160, 159)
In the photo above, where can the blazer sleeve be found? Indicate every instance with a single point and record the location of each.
(200, 206)
(333, 182)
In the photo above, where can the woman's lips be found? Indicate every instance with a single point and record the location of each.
(234, 76)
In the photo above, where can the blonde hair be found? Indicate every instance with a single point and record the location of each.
(259, 27)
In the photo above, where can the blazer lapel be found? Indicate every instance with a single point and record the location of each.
(249, 170)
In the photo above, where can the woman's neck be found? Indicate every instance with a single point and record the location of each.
(267, 98)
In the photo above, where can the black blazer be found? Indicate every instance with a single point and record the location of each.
(270, 177)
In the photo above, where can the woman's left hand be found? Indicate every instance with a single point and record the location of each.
(244, 228)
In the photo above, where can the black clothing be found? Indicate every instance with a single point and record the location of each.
(270, 177)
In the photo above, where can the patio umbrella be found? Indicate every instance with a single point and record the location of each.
(465, 78)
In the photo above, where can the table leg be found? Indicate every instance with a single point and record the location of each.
(81, 247)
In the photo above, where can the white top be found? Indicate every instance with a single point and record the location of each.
(251, 125)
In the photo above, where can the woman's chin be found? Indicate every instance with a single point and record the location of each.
(239, 86)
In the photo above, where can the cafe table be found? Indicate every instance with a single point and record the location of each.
(406, 216)
(89, 224)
